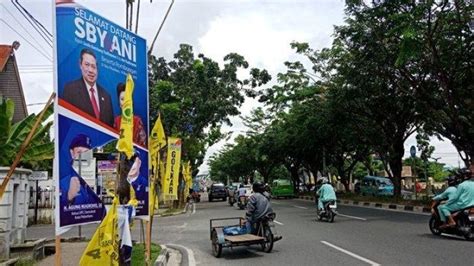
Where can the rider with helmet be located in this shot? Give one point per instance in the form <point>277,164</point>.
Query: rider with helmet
<point>258,205</point>
<point>326,193</point>
<point>463,198</point>
<point>447,194</point>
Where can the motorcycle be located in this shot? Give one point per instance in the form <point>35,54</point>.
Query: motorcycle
<point>231,199</point>
<point>464,222</point>
<point>242,202</point>
<point>329,211</point>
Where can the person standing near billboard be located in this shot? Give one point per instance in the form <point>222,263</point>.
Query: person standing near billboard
<point>86,94</point>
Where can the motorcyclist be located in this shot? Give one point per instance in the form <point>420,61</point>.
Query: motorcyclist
<point>242,190</point>
<point>463,198</point>
<point>326,193</point>
<point>447,195</point>
<point>258,206</point>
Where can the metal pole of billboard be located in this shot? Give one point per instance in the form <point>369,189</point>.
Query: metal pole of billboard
<point>79,229</point>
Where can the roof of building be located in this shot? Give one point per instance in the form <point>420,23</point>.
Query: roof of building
<point>10,82</point>
<point>5,52</point>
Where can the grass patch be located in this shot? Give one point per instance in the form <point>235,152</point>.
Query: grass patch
<point>25,262</point>
<point>139,255</point>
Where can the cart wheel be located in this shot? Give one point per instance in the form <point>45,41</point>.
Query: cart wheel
<point>267,246</point>
<point>216,247</point>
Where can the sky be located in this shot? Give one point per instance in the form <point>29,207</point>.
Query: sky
<point>259,30</point>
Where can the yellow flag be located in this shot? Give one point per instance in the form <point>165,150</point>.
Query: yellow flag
<point>170,184</point>
<point>103,247</point>
<point>188,178</point>
<point>156,141</point>
<point>125,142</point>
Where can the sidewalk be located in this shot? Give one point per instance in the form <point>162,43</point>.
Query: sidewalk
<point>71,253</point>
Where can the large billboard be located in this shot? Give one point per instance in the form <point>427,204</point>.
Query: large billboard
<point>93,57</point>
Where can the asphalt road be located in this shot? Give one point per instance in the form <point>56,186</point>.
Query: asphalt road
<point>359,236</point>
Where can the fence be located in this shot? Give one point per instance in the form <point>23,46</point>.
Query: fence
<point>45,199</point>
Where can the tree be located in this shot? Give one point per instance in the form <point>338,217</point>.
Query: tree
<point>195,96</point>
<point>39,152</point>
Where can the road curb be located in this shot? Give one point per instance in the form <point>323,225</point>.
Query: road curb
<point>164,256</point>
<point>378,205</point>
<point>187,255</point>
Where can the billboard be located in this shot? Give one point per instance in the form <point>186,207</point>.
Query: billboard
<point>93,56</point>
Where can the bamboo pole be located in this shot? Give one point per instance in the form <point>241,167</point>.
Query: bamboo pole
<point>57,255</point>
<point>24,145</point>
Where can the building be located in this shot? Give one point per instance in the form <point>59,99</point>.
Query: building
<point>10,82</point>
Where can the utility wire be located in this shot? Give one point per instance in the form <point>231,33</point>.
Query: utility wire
<point>161,26</point>
<point>37,22</point>
<point>36,48</point>
<point>45,38</point>
<point>23,27</point>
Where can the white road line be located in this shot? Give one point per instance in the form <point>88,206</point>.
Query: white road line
<point>353,217</point>
<point>277,222</point>
<point>351,254</point>
<point>276,203</point>
<point>300,207</point>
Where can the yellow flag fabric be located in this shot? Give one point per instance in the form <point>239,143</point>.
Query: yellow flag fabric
<point>187,178</point>
<point>103,249</point>
<point>171,180</point>
<point>156,142</point>
<point>125,142</point>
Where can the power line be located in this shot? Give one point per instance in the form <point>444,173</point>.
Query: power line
<point>46,39</point>
<point>39,51</point>
<point>37,22</point>
<point>23,27</point>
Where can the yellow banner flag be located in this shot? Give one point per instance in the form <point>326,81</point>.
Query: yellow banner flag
<point>125,142</point>
<point>103,247</point>
<point>187,178</point>
<point>156,142</point>
<point>171,180</point>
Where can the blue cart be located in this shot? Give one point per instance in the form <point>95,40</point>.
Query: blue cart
<point>262,235</point>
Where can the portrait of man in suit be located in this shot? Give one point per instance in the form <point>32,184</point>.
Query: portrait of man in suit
<point>86,94</point>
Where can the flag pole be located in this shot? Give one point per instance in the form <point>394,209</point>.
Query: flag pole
<point>57,255</point>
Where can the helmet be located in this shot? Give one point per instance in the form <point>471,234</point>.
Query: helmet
<point>464,174</point>
<point>452,180</point>
<point>258,187</point>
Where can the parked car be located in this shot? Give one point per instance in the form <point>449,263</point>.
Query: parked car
<point>376,186</point>
<point>217,191</point>
<point>282,188</point>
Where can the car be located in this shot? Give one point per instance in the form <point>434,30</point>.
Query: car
<point>282,188</point>
<point>217,191</point>
<point>376,186</point>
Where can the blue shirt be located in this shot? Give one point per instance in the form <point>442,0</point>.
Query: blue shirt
<point>326,193</point>
<point>464,196</point>
<point>447,194</point>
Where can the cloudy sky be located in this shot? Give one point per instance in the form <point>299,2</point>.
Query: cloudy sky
<point>259,30</point>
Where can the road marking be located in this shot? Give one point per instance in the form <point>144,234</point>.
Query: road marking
<point>300,207</point>
<point>351,254</point>
<point>277,203</point>
<point>353,217</point>
<point>277,222</point>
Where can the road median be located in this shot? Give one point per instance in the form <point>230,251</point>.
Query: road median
<point>378,205</point>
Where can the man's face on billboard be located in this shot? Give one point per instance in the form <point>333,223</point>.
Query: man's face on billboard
<point>88,67</point>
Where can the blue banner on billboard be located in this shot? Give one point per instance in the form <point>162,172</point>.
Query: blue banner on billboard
<point>93,57</point>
